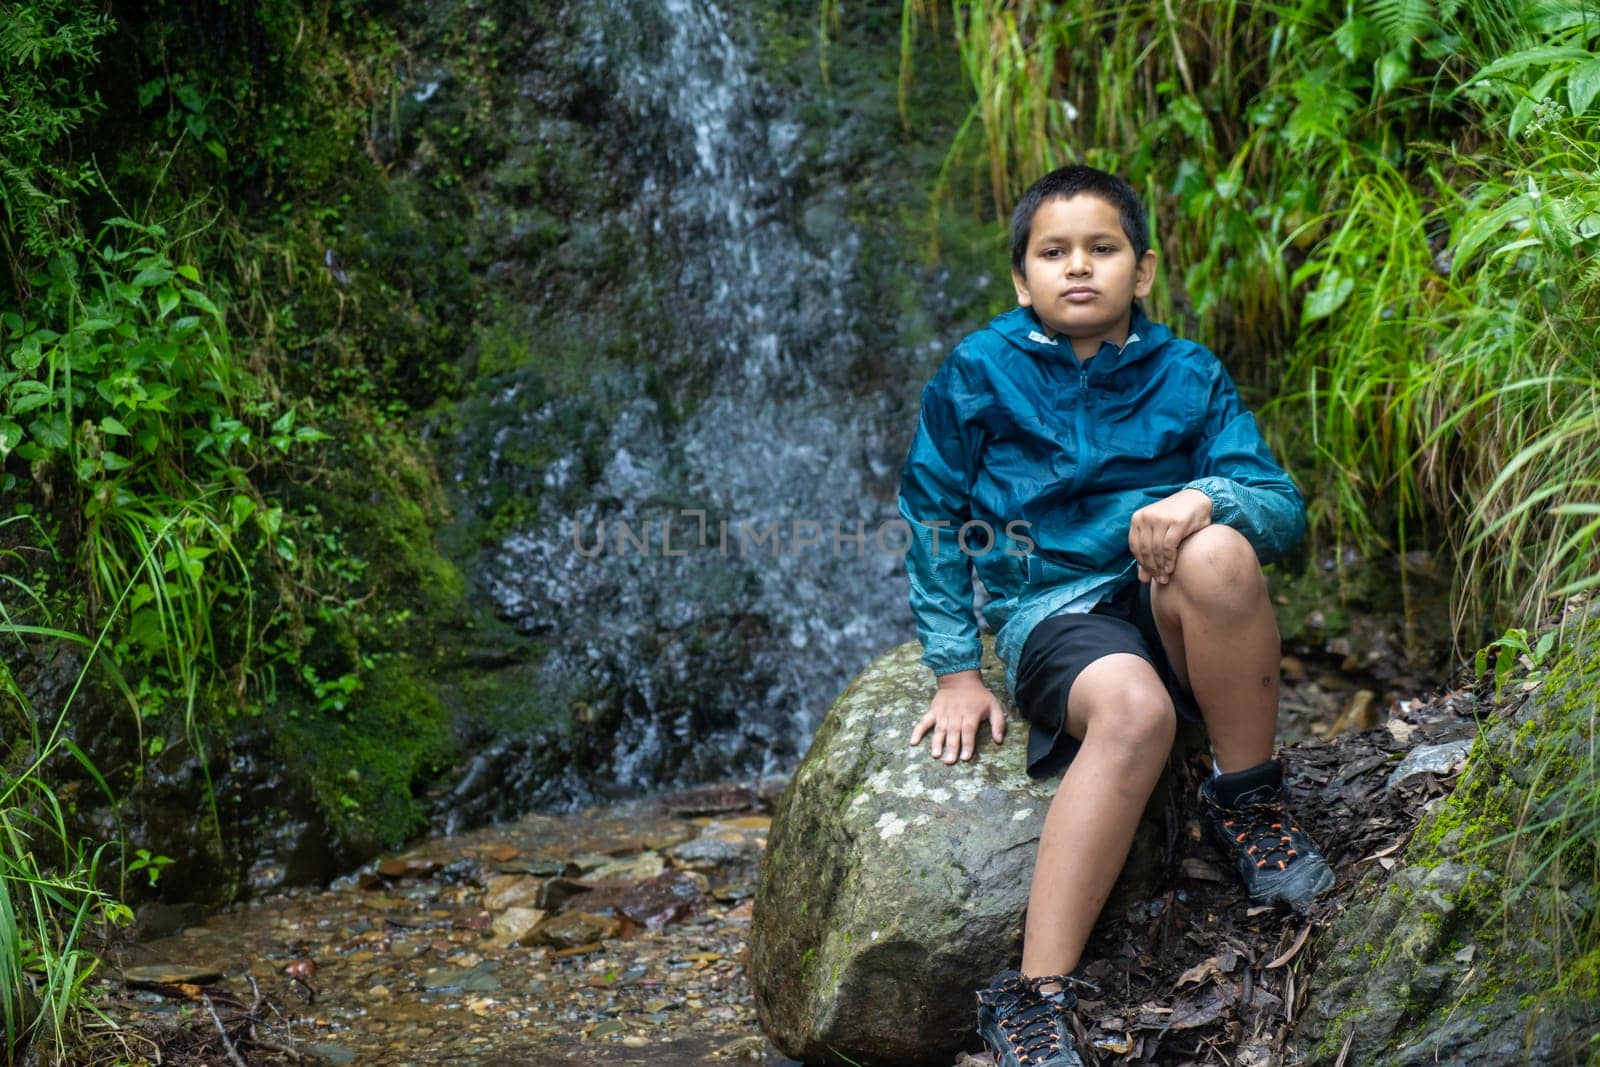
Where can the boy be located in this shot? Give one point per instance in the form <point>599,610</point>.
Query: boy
<point>1129,593</point>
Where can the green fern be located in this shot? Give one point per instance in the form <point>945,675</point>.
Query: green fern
<point>1403,21</point>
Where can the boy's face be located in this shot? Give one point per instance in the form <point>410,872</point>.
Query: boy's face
<point>1081,276</point>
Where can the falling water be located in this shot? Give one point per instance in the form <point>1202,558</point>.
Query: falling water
<point>725,639</point>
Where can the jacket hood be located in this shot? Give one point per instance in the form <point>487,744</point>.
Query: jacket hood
<point>1022,329</point>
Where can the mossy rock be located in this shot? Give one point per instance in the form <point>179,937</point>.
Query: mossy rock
<point>1482,947</point>
<point>893,885</point>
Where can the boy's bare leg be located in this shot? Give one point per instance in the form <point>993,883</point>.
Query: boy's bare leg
<point>1124,717</point>
<point>1221,636</point>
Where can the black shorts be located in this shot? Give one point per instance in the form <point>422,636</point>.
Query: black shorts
<point>1060,648</point>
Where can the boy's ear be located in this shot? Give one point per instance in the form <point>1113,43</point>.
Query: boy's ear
<point>1024,298</point>
<point>1145,276</point>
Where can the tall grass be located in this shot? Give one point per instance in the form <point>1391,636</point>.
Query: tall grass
<point>50,882</point>
<point>1384,215</point>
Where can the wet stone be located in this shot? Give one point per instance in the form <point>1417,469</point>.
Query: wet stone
<point>574,928</point>
<point>632,869</point>
<point>512,891</point>
<point>514,925</point>
<point>172,974</point>
<point>667,898</point>
<point>710,853</point>
<point>538,866</point>
<point>555,893</point>
<point>711,800</point>
<point>478,979</point>
<point>407,867</point>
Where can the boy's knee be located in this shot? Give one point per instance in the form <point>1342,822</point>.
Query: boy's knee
<point>1219,565</point>
<point>1140,727</point>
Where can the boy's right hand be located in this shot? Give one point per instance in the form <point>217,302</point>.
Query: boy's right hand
<point>958,709</point>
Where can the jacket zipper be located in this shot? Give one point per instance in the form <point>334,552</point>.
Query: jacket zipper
<point>1081,430</point>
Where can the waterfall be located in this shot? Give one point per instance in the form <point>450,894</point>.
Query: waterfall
<point>676,583</point>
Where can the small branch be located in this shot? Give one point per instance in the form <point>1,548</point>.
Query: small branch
<point>222,1031</point>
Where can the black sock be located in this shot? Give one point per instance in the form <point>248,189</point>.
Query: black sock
<point>1252,785</point>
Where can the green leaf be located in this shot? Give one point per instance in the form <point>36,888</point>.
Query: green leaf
<point>241,507</point>
<point>1393,69</point>
<point>1532,57</point>
<point>189,96</point>
<point>150,90</point>
<point>28,355</point>
<point>151,277</point>
<point>1329,295</point>
<point>50,431</point>
<point>1582,85</point>
<point>186,271</point>
<point>166,300</point>
<point>29,396</point>
<point>114,426</point>
<point>202,301</point>
<point>114,462</point>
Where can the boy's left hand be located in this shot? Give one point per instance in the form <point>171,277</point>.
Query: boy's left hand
<point>1157,530</point>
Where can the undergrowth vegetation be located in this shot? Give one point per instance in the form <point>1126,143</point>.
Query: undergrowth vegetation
<point>1385,213</point>
<point>170,367</point>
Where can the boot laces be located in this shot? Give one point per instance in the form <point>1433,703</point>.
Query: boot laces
<point>1028,1015</point>
<point>1265,832</point>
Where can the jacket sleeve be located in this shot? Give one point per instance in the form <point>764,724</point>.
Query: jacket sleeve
<point>934,502</point>
<point>1233,466</point>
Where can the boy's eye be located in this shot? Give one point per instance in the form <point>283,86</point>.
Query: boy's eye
<point>1104,248</point>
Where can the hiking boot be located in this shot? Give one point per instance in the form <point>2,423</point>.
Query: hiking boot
<point>1274,857</point>
<point>1025,1027</point>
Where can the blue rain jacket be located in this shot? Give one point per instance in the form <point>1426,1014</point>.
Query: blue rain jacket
<point>1019,440</point>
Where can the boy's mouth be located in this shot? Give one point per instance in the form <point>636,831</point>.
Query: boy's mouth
<point>1080,293</point>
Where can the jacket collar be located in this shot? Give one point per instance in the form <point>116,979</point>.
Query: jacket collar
<point>1022,328</point>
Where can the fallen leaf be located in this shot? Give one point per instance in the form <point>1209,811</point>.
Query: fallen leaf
<point>1382,852</point>
<point>1117,1045</point>
<point>1400,730</point>
<point>1289,953</point>
<point>1202,1008</point>
<point>1194,867</point>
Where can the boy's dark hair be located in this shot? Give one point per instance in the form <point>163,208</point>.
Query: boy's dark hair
<point>1072,181</point>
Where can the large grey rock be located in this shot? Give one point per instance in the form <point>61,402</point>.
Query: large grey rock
<point>894,885</point>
